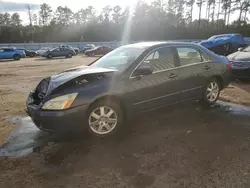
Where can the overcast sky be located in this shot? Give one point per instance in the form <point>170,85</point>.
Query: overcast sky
<point>20,6</point>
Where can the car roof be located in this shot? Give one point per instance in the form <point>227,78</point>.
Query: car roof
<point>11,48</point>
<point>146,45</point>
<point>227,35</point>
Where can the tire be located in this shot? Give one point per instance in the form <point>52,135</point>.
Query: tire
<point>16,57</point>
<point>101,126</point>
<point>49,56</point>
<point>69,55</point>
<point>211,92</point>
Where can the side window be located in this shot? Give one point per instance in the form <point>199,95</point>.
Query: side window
<point>57,50</point>
<point>204,56</point>
<point>8,50</point>
<point>160,59</point>
<point>188,55</point>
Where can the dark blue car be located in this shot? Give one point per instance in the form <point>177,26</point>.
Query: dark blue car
<point>224,44</point>
<point>11,53</point>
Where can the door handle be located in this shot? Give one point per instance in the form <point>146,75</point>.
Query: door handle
<point>207,67</point>
<point>172,75</point>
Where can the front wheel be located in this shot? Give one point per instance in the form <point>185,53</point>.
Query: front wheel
<point>16,57</point>
<point>49,56</point>
<point>104,118</point>
<point>211,92</point>
<point>69,55</point>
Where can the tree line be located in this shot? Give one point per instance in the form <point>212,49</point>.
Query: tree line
<point>157,20</point>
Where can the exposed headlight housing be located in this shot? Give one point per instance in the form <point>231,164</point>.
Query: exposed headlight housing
<point>238,64</point>
<point>60,103</point>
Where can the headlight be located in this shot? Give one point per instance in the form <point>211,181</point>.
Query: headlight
<point>60,103</point>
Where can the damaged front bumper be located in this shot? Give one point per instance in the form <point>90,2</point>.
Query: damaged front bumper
<point>56,120</point>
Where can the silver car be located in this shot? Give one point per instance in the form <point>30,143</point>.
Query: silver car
<point>59,52</point>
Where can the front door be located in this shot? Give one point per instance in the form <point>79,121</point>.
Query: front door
<point>158,89</point>
<point>195,68</point>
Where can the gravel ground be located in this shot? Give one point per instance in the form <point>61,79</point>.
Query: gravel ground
<point>182,146</point>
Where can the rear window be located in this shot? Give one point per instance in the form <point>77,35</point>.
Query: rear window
<point>188,55</point>
<point>8,50</point>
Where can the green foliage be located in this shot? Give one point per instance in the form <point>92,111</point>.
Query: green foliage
<point>159,20</point>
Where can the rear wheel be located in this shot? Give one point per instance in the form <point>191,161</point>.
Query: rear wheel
<point>16,57</point>
<point>211,92</point>
<point>104,118</point>
<point>49,56</point>
<point>69,55</point>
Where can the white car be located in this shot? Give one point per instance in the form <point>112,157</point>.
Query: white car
<point>42,50</point>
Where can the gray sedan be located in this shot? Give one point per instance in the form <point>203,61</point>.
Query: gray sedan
<point>59,52</point>
<point>240,63</point>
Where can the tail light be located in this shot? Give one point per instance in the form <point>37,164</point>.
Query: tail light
<point>229,65</point>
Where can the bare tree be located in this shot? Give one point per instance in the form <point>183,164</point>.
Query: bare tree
<point>199,4</point>
<point>241,5</point>
<point>189,14</point>
<point>35,19</point>
<point>45,13</point>
<point>29,15</point>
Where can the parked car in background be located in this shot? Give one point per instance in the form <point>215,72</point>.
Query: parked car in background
<point>99,50</point>
<point>59,52</point>
<point>43,50</point>
<point>133,78</point>
<point>88,47</point>
<point>68,46</point>
<point>11,53</point>
<point>84,49</point>
<point>240,61</point>
<point>28,53</point>
<point>224,44</point>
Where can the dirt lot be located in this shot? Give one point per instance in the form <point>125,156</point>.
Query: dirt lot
<point>185,146</point>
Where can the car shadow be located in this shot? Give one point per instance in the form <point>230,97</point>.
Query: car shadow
<point>46,59</point>
<point>6,60</point>
<point>180,119</point>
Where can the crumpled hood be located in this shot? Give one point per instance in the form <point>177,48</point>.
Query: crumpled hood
<point>239,56</point>
<point>63,77</point>
<point>90,50</point>
<point>214,42</point>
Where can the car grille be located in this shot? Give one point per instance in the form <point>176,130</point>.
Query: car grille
<point>41,91</point>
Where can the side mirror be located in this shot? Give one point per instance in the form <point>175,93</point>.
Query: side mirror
<point>240,49</point>
<point>142,71</point>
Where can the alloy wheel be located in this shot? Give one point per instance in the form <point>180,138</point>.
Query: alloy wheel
<point>103,120</point>
<point>212,91</point>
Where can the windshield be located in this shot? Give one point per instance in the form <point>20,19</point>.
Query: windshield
<point>119,59</point>
<point>45,48</point>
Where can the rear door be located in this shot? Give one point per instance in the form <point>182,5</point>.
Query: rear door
<point>1,53</point>
<point>158,89</point>
<point>195,69</point>
<point>64,51</point>
<point>57,52</point>
<point>8,53</point>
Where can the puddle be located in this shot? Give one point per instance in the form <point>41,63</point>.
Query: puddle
<point>234,109</point>
<point>26,138</point>
<point>23,139</point>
